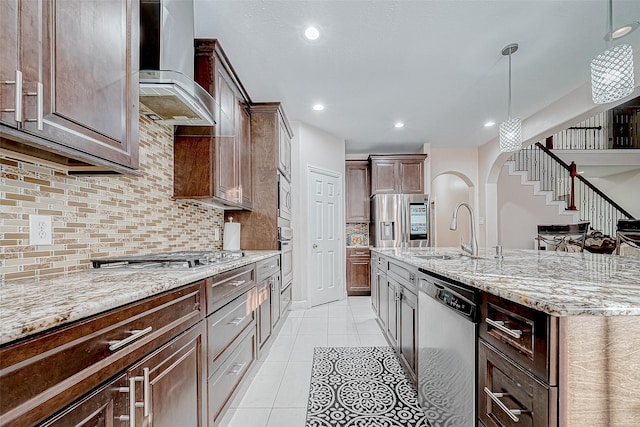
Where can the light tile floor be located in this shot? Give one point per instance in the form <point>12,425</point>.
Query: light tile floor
<point>277,395</point>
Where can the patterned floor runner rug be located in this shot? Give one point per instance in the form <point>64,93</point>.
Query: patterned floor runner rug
<point>361,387</point>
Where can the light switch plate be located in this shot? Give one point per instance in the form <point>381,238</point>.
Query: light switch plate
<point>216,234</point>
<point>40,230</point>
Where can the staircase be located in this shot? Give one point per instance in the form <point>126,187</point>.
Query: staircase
<point>574,195</point>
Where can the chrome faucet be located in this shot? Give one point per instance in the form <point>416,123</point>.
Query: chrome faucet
<point>473,249</point>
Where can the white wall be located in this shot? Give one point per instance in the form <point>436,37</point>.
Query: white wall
<point>447,190</point>
<point>623,188</point>
<point>315,147</point>
<point>520,212</point>
<point>453,178</point>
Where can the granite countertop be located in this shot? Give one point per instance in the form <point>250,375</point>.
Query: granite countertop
<point>29,306</point>
<point>557,283</point>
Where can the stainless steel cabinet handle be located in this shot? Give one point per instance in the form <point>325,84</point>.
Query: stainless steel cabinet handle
<point>132,400</point>
<point>238,283</point>
<point>39,106</point>
<point>510,412</point>
<point>288,200</point>
<point>499,324</point>
<point>135,334</point>
<point>237,320</point>
<point>237,369</point>
<point>123,417</point>
<point>18,96</point>
<point>146,391</point>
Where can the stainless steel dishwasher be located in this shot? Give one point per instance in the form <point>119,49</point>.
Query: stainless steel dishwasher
<point>447,348</point>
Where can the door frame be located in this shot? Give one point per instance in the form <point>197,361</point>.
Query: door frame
<point>339,232</point>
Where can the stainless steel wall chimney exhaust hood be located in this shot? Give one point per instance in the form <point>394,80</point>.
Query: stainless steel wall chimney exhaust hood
<point>167,87</point>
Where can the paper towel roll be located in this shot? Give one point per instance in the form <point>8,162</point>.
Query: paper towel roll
<point>231,237</point>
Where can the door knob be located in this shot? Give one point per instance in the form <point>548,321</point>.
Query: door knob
<point>315,246</point>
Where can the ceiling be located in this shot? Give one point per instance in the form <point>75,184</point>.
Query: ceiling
<point>436,65</point>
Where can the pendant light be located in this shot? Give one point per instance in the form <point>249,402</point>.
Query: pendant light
<point>612,70</point>
<point>511,129</point>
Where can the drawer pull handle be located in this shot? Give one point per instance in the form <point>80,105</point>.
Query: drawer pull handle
<point>237,320</point>
<point>499,324</point>
<point>510,412</point>
<point>132,401</point>
<point>237,368</point>
<point>238,283</point>
<point>114,345</point>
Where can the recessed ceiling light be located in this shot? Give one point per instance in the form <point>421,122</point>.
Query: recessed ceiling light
<point>398,125</point>
<point>622,31</point>
<point>489,124</point>
<point>311,33</point>
<point>318,107</point>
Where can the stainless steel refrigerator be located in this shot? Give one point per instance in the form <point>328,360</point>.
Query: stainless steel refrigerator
<point>399,220</point>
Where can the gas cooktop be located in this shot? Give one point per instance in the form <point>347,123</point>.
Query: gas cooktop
<point>183,259</point>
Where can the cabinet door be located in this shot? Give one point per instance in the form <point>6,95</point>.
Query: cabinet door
<point>170,383</point>
<point>106,407</point>
<point>275,299</point>
<point>226,163</point>
<point>79,64</point>
<point>383,299</point>
<point>358,273</point>
<point>284,149</point>
<point>408,329</point>
<point>244,156</point>
<point>264,316</point>
<point>357,197</point>
<point>392,325</point>
<point>374,286</point>
<point>9,66</point>
<point>411,176</point>
<point>383,176</point>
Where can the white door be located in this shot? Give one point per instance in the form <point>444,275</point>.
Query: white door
<point>325,231</point>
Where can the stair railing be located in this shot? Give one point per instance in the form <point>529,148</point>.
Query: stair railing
<point>559,178</point>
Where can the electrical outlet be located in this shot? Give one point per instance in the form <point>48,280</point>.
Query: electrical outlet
<point>216,234</point>
<point>40,230</point>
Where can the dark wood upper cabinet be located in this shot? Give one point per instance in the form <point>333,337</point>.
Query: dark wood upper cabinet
<point>269,127</point>
<point>69,73</point>
<point>399,173</point>
<point>216,162</point>
<point>357,194</point>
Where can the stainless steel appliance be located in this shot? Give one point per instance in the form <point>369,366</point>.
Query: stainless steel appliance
<point>400,220</point>
<point>182,259</point>
<point>447,347</point>
<point>285,238</point>
<point>284,198</point>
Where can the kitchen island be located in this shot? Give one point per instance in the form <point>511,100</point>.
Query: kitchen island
<point>590,338</point>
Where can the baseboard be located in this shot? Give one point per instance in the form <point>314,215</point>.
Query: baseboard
<point>298,305</point>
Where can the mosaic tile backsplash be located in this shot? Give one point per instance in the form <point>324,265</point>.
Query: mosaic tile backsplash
<point>358,228</point>
<point>99,216</point>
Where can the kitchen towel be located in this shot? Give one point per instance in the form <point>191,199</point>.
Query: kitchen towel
<point>231,237</point>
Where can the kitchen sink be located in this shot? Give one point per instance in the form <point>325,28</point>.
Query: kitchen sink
<point>436,256</point>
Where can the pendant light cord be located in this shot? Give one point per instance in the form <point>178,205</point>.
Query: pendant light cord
<point>509,111</point>
<point>610,29</point>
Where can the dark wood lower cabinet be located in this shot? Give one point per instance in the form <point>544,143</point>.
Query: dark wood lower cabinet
<point>170,383</point>
<point>358,271</point>
<point>509,396</point>
<point>105,407</point>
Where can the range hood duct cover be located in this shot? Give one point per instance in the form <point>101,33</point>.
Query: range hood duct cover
<point>167,86</point>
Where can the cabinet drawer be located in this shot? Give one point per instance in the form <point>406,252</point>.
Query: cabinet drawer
<point>43,374</point>
<point>405,274</point>
<point>226,324</point>
<point>510,396</point>
<point>225,380</point>
<point>527,336</point>
<point>267,267</point>
<point>358,253</point>
<point>224,287</point>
